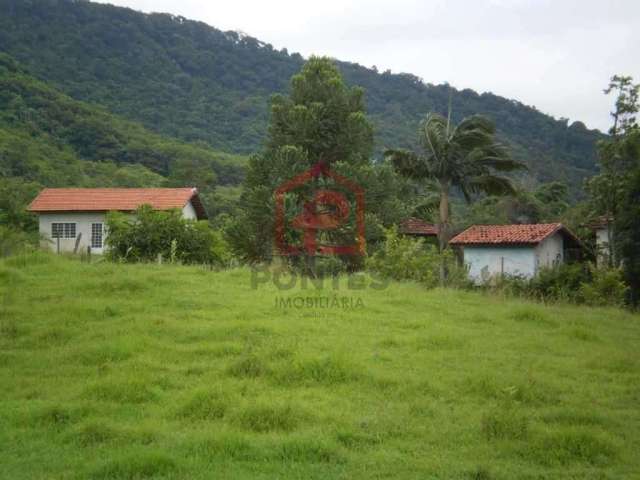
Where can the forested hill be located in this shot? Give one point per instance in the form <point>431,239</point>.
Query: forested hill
<point>49,139</point>
<point>186,79</point>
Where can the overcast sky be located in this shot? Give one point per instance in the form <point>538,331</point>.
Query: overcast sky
<point>555,55</point>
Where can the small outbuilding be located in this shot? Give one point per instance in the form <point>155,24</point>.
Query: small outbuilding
<point>415,227</point>
<point>515,250</point>
<point>603,230</point>
<point>72,219</point>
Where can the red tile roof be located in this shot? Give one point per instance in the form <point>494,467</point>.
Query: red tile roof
<point>415,226</point>
<point>509,234</point>
<point>121,199</point>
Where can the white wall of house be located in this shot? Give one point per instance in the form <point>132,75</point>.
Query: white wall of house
<point>189,212</point>
<point>485,262</point>
<point>550,251</point>
<point>83,222</point>
<point>602,245</point>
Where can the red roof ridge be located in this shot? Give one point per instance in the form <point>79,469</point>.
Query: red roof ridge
<point>416,226</point>
<point>532,233</point>
<point>117,198</point>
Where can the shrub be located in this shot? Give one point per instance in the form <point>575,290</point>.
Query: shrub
<point>15,241</point>
<point>576,283</point>
<point>559,283</point>
<point>152,233</point>
<point>607,287</point>
<point>406,258</point>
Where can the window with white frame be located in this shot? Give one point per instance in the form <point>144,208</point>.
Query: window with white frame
<point>96,235</point>
<point>63,230</point>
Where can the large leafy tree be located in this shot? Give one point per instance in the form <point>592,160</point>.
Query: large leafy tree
<point>618,156</point>
<point>322,120</point>
<point>465,157</point>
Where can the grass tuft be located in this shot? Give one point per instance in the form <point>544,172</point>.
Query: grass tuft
<point>574,445</point>
<point>93,433</point>
<point>205,405</point>
<point>354,440</point>
<point>9,329</point>
<point>309,450</point>
<point>249,366</point>
<point>504,424</point>
<point>128,391</point>
<point>479,473</point>
<point>54,416</point>
<point>228,445</point>
<point>534,316</point>
<point>320,371</point>
<point>577,417</point>
<point>264,418</point>
<point>136,466</point>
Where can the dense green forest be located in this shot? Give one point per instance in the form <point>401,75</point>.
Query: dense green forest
<point>49,139</point>
<point>188,80</point>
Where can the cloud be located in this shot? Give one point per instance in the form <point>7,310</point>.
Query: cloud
<point>557,56</point>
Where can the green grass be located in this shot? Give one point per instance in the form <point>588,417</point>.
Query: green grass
<point>143,371</point>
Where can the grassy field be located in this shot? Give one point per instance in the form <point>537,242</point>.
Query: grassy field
<point>144,371</point>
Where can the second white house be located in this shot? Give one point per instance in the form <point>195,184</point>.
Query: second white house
<point>514,250</point>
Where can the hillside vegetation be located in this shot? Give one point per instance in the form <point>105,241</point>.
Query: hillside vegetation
<point>189,80</point>
<point>49,139</point>
<point>142,371</point>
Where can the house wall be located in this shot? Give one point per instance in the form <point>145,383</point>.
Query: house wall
<point>189,212</point>
<point>602,246</point>
<point>485,262</point>
<point>83,223</point>
<point>550,251</point>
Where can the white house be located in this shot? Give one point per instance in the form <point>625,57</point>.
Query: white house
<point>514,250</point>
<point>603,229</point>
<point>73,219</point>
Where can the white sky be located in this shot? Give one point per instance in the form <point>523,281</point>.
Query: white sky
<point>555,55</point>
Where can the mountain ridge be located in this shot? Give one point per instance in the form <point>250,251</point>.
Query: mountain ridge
<point>186,79</point>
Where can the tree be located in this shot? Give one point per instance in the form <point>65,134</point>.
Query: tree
<point>465,157</point>
<point>627,225</point>
<point>617,157</point>
<point>320,121</point>
<point>626,105</point>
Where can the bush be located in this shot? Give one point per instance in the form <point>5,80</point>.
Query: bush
<point>14,241</point>
<point>576,283</point>
<point>152,233</point>
<point>561,283</point>
<point>406,258</point>
<point>607,287</point>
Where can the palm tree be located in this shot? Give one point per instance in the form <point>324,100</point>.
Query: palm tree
<point>465,157</point>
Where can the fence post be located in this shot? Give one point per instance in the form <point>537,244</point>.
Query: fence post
<point>75,247</point>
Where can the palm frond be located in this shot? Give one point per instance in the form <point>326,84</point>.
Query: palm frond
<point>497,161</point>
<point>490,184</point>
<point>408,164</point>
